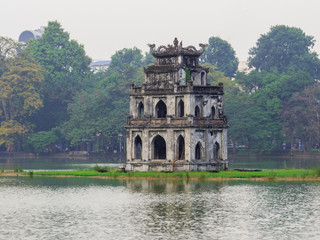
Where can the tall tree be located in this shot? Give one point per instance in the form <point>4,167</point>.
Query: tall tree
<point>285,49</point>
<point>107,99</point>
<point>301,117</point>
<point>20,93</point>
<point>8,49</point>
<point>221,54</point>
<point>66,65</point>
<point>266,93</point>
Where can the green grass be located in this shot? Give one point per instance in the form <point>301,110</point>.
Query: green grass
<point>270,174</point>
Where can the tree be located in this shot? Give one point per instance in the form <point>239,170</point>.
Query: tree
<point>8,49</point>
<point>20,93</point>
<point>67,67</point>
<point>235,106</point>
<point>301,117</point>
<point>45,139</point>
<point>286,49</point>
<point>266,94</point>
<point>221,54</point>
<point>107,99</point>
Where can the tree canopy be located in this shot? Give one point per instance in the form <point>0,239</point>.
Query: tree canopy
<point>285,49</point>
<point>20,92</point>
<point>67,67</point>
<point>103,109</point>
<point>301,117</point>
<point>221,54</point>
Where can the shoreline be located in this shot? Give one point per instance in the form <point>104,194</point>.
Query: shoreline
<point>230,175</point>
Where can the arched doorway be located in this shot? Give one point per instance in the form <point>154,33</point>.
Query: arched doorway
<point>213,111</point>
<point>158,148</point>
<point>197,111</point>
<point>180,108</point>
<point>161,109</point>
<point>180,148</point>
<point>198,151</point>
<point>216,148</point>
<point>140,110</point>
<point>202,78</point>
<point>137,147</point>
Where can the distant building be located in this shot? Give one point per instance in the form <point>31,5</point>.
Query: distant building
<point>244,67</point>
<point>99,66</point>
<point>29,35</point>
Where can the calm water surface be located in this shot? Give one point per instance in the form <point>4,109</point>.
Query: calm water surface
<point>81,208</point>
<point>47,163</point>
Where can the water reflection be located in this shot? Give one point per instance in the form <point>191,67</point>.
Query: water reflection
<point>274,162</point>
<point>84,208</point>
<point>48,163</point>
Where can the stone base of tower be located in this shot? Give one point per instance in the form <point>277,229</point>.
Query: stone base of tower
<point>181,166</point>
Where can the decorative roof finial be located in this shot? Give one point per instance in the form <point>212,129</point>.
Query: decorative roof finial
<point>175,42</point>
<point>151,46</point>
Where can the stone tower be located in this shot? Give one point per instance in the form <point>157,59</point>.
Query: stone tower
<point>176,120</point>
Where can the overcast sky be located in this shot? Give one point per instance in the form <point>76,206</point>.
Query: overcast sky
<point>105,26</point>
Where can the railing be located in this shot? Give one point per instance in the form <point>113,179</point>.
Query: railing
<point>208,89</point>
<point>138,121</point>
<point>135,90</point>
<point>179,120</point>
<point>174,121</point>
<point>158,121</point>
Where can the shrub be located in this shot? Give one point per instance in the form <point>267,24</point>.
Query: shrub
<point>98,168</point>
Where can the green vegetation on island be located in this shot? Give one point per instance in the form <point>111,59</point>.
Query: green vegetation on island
<point>286,174</point>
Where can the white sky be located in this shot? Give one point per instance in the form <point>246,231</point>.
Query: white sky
<point>105,26</point>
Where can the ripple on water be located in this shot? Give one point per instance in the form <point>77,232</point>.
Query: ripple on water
<point>79,208</point>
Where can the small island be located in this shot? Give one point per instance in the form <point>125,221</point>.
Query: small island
<point>224,175</point>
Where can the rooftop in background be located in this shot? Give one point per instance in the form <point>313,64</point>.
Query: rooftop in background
<point>244,67</point>
<point>99,66</point>
<point>28,35</point>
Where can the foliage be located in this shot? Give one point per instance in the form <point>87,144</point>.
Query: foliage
<point>42,140</point>
<point>230,174</point>
<point>221,54</point>
<point>8,49</point>
<point>67,67</point>
<point>301,117</point>
<point>103,108</point>
<point>260,110</point>
<point>148,59</point>
<point>20,91</point>
<point>188,74</point>
<point>101,169</point>
<point>286,49</point>
<point>10,131</point>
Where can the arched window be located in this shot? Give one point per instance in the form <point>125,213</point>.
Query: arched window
<point>180,108</point>
<point>137,147</point>
<point>197,111</point>
<point>182,76</point>
<point>180,148</point>
<point>161,109</point>
<point>202,78</point>
<point>213,111</point>
<point>158,148</point>
<point>216,151</point>
<point>198,151</point>
<point>140,110</point>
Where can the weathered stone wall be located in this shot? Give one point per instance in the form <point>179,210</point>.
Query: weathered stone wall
<point>167,81</point>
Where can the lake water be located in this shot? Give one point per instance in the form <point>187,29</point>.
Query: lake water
<point>87,208</point>
<point>84,208</point>
<point>45,163</point>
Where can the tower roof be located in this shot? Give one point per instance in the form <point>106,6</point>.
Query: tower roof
<point>175,50</point>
